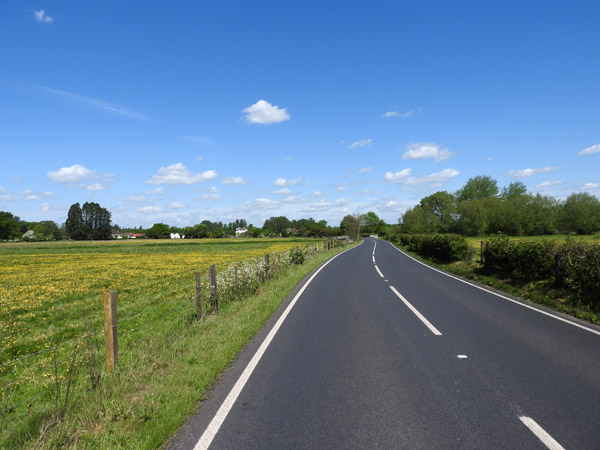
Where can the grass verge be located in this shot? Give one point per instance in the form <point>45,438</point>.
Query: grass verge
<point>163,378</point>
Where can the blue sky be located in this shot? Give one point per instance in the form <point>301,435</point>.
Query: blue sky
<point>178,112</point>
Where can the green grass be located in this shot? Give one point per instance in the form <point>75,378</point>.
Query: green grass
<point>164,370</point>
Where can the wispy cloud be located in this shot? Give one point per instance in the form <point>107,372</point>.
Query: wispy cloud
<point>237,181</point>
<point>547,184</point>
<point>177,174</point>
<point>361,143</point>
<point>96,103</point>
<point>426,150</point>
<point>200,141</point>
<point>589,186</point>
<point>41,16</point>
<point>590,150</point>
<point>529,172</point>
<point>403,177</point>
<point>262,112</point>
<point>365,170</point>
<point>285,182</point>
<point>399,115</point>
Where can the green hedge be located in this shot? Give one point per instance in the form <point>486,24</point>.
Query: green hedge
<point>444,247</point>
<point>571,265</point>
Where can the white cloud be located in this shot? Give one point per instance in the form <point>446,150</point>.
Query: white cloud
<point>361,143</point>
<point>546,184</point>
<point>317,194</point>
<point>96,103</point>
<point>319,206</point>
<point>212,196</point>
<point>73,174</point>
<point>294,199</point>
<point>399,115</point>
<point>260,204</point>
<point>403,177</point>
<point>45,207</point>
<point>177,174</point>
<point>429,150</point>
<point>341,187</point>
<point>41,16</point>
<point>529,172</point>
<point>150,209</point>
<point>590,150</point>
<point>397,177</point>
<point>262,112</point>
<point>282,191</point>
<point>365,170</point>
<point>158,191</point>
<point>437,177</point>
<point>367,192</point>
<point>237,181</point>
<point>285,182</point>
<point>95,187</point>
<point>177,205</point>
<point>589,186</point>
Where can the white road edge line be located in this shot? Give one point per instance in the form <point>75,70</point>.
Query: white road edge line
<point>540,433</point>
<point>215,424</point>
<point>428,324</point>
<point>379,271</point>
<point>575,324</point>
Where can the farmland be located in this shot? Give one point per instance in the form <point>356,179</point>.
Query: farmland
<point>51,297</point>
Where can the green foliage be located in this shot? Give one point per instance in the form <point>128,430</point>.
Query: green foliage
<point>159,231</point>
<point>350,226</point>
<point>297,256</point>
<point>88,222</point>
<point>581,214</point>
<point>443,247</point>
<point>578,268</point>
<point>9,225</point>
<point>481,186</point>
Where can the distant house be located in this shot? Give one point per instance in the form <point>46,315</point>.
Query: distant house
<point>175,236</point>
<point>241,231</point>
<point>137,235</point>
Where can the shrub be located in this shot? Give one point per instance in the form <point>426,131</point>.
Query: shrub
<point>445,247</point>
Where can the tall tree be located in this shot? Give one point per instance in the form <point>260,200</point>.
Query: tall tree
<point>443,206</point>
<point>581,214</point>
<point>513,190</point>
<point>96,221</point>
<point>74,224</point>
<point>277,225</point>
<point>9,225</point>
<point>481,186</point>
<point>351,227</point>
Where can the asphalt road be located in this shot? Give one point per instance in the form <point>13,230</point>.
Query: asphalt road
<point>380,351</point>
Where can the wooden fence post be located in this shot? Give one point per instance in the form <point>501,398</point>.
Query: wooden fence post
<point>482,258</point>
<point>267,266</point>
<point>214,301</point>
<point>110,329</point>
<point>471,253</point>
<point>198,296</point>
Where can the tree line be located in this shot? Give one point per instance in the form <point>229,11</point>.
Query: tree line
<point>481,208</point>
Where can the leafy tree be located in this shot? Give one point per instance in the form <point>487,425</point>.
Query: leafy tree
<point>96,221</point>
<point>350,226</point>
<point>581,214</point>
<point>277,225</point>
<point>443,206</point>
<point>419,220</point>
<point>514,190</point>
<point>481,186</point>
<point>74,224</point>
<point>159,231</point>
<point>9,225</point>
<point>371,223</point>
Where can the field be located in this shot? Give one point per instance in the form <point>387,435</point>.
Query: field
<point>51,305</point>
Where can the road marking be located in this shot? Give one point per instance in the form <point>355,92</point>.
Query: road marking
<point>428,324</point>
<point>462,356</point>
<point>215,424</point>
<point>373,259</point>
<point>379,271</point>
<point>541,433</point>
<point>575,324</point>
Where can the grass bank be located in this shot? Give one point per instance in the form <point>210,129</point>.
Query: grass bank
<point>160,379</point>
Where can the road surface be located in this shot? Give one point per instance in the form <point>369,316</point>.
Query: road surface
<point>380,351</point>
